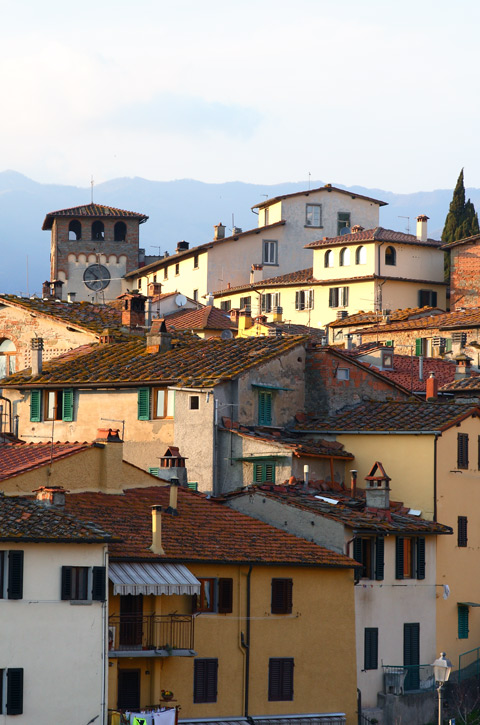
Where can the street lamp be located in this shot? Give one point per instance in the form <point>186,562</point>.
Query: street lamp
<point>441,671</point>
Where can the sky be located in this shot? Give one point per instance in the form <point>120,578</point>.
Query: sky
<point>376,93</point>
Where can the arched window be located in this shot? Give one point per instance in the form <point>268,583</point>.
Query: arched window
<point>329,258</point>
<point>120,232</point>
<point>7,358</point>
<point>97,231</point>
<point>390,256</point>
<point>345,257</point>
<point>361,255</point>
<point>74,230</point>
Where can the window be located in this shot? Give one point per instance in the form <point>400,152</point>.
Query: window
<point>98,231</point>
<point>280,678</point>
<point>328,259</point>
<point>409,557</point>
<point>369,552</point>
<point>7,358</point>
<point>304,300</point>
<point>177,269</point>
<point>462,538</point>
<point>226,305</point>
<point>83,583</point>
<point>205,674</point>
<point>57,405</point>
<point>195,261</point>
<point>338,297</point>
<point>216,595</point>
<point>163,403</point>
<point>264,472</point>
<point>462,621</point>
<point>370,661</point>
<point>345,257</point>
<point>313,215</point>
<point>427,298</point>
<point>206,598</point>
<point>245,302</point>
<point>269,301</point>
<point>390,256</point>
<point>264,408</point>
<point>421,345</point>
<point>462,450</point>
<point>361,255</point>
<point>282,596</point>
<point>11,684</point>
<point>269,252</point>
<point>74,231</point>
<point>11,574</point>
<point>165,272</point>
<point>194,401</point>
<point>120,232</point>
<point>343,221</point>
<point>342,374</point>
<point>195,295</point>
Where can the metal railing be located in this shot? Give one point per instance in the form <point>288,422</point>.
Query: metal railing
<point>134,632</point>
<point>469,664</point>
<point>399,679</point>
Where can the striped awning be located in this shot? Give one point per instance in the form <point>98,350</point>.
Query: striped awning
<point>152,579</point>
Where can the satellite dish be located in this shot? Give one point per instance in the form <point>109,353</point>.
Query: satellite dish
<point>226,335</point>
<point>345,230</point>
<point>180,300</point>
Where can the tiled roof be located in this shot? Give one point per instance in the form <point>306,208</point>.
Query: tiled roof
<point>327,188</point>
<point>191,362</point>
<point>83,315</point>
<point>204,530</point>
<point>92,210</point>
<point>22,519</point>
<point>205,318</point>
<point>302,276</point>
<point>406,371</point>
<point>379,234</point>
<point>466,240</point>
<point>363,318</point>
<point>460,319</point>
<point>17,458</point>
<point>392,416</point>
<point>292,328</point>
<point>457,386</point>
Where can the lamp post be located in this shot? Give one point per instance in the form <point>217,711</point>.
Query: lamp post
<point>441,671</point>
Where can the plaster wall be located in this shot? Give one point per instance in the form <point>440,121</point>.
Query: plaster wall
<point>59,645</point>
<point>76,266</point>
<point>337,271</point>
<point>189,278</point>
<point>194,435</point>
<point>464,274</point>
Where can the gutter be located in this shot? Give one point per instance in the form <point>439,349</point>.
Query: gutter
<point>247,642</point>
<point>373,432</point>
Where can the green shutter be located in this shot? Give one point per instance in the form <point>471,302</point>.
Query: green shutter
<point>388,343</point>
<point>264,408</point>
<point>35,406</point>
<point>155,471</point>
<point>193,485</point>
<point>67,405</point>
<point>144,404</point>
<point>269,473</point>
<point>264,472</point>
<point>462,621</point>
<point>418,346</point>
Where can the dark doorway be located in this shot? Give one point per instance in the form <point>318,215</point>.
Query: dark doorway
<point>128,690</point>
<point>131,621</point>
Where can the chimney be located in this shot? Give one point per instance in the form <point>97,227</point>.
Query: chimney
<point>172,504</point>
<point>377,492</point>
<point>349,342</point>
<point>353,483</point>
<point>209,300</point>
<point>156,546</point>
<point>219,231</point>
<point>432,387</point>
<point>256,273</point>
<point>306,471</point>
<point>357,228</point>
<point>277,314</point>
<point>133,313</point>
<point>172,466</point>
<point>422,227</point>
<point>182,246</point>
<point>51,496</point>
<point>36,343</point>
<point>154,288</point>
<point>158,339</point>
<point>463,369</point>
<point>106,337</point>
<point>108,435</point>
<point>244,320</point>
<point>71,296</point>
<point>46,292</point>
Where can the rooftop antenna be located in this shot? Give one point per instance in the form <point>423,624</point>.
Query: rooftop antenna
<point>408,222</point>
<point>156,246</point>
<point>265,195</point>
<point>309,178</point>
<point>92,183</point>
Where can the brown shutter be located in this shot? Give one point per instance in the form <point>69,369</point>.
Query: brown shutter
<point>282,599</point>
<point>225,596</point>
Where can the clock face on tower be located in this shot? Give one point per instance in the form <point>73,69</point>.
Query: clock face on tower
<point>96,277</point>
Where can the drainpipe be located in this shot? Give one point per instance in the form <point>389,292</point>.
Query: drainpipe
<point>104,705</point>
<point>378,272</point>
<point>247,643</point>
<point>435,477</point>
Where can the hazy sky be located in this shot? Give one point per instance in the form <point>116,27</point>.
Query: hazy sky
<point>371,92</point>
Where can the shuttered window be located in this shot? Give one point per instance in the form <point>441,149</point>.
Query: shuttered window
<point>420,552</point>
<point>462,523</point>
<point>15,575</point>
<point>379,558</point>
<point>264,408</point>
<point>143,404</point>
<point>371,649</point>
<point>419,346</point>
<point>78,584</point>
<point>264,472</point>
<point>280,678</point>
<point>282,591</point>
<point>411,654</point>
<point>225,595</point>
<point>205,674</point>
<point>99,583</point>
<point>462,450</point>
<point>15,691</point>
<point>35,406</point>
<point>67,405</point>
<point>462,621</point>
<point>404,558</point>
<point>304,300</point>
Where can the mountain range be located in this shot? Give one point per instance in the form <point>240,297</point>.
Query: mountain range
<point>177,210</point>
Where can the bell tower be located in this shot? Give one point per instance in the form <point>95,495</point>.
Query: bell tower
<point>92,248</point>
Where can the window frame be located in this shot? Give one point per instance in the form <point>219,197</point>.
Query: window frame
<point>226,305</point>
<point>168,400</point>
<point>360,252</point>
<point>58,406</point>
<point>177,269</point>
<point>221,596</point>
<point>329,259</point>
<point>304,299</point>
<point>411,566</point>
<point>281,601</point>
<point>369,551</point>
<point>269,300</point>
<point>463,613</point>
<point>345,257</point>
<point>429,298</point>
<point>93,588</point>
<point>270,252</point>
<point>345,223</point>
<point>313,210</point>
<point>390,256</point>
<point>194,402</point>
<point>338,297</point>
<point>195,261</point>
<point>245,302</point>
<point>264,472</point>
<point>265,407</point>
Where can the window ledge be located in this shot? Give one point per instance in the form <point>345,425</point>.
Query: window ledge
<point>312,226</point>
<point>81,602</point>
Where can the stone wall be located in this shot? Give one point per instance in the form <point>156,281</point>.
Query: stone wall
<point>464,276</point>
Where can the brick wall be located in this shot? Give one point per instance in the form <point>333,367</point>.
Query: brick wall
<point>465,276</point>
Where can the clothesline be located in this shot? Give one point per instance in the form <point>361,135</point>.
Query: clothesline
<point>147,716</point>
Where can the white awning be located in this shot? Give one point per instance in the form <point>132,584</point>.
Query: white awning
<point>152,579</point>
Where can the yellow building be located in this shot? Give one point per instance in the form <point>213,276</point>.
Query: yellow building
<point>233,616</point>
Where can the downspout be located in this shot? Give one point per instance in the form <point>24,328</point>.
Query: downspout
<point>247,643</point>
<point>435,478</point>
<point>378,271</point>
<point>105,640</point>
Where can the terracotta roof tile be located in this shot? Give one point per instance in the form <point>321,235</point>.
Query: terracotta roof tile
<point>459,319</point>
<point>362,318</point>
<point>406,371</point>
<point>456,386</point>
<point>299,447</point>
<point>302,276</point>
<point>205,318</point>
<point>92,210</point>
<point>17,458</point>
<point>378,234</point>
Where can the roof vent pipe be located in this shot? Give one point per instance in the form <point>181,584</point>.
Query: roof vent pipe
<point>156,546</point>
<point>353,483</point>
<point>306,471</point>
<point>420,367</point>
<point>36,344</point>
<point>172,505</point>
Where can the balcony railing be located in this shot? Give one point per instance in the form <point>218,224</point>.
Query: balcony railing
<point>399,679</point>
<point>134,632</point>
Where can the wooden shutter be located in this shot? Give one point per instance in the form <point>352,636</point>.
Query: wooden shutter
<point>99,584</point>
<point>462,621</point>
<point>154,471</point>
<point>462,524</point>
<point>420,542</point>
<point>66,582</point>
<point>264,408</point>
<point>379,558</point>
<point>225,596</point>
<point>14,691</point>
<point>462,450</point>
<point>282,599</point>
<point>35,406</point>
<point>333,297</point>
<point>205,675</point>
<point>67,405</point>
<point>15,575</point>
<point>269,472</point>
<point>399,557</point>
<point>143,404</point>
<point>345,296</point>
<point>411,654</point>
<point>358,556</point>
<point>297,301</point>
<point>371,648</point>
<point>280,678</point>
<point>418,346</point>
<point>310,299</point>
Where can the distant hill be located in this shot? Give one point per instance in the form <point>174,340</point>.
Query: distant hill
<point>183,209</point>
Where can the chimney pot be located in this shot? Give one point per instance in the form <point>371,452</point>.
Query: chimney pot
<point>422,220</point>
<point>51,496</point>
<point>353,483</point>
<point>36,344</point>
<point>172,505</point>
<point>432,387</point>
<point>156,546</point>
<point>219,231</point>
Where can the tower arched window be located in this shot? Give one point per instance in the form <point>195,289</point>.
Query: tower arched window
<point>361,255</point>
<point>7,357</point>
<point>98,231</point>
<point>390,256</point>
<point>329,258</point>
<point>345,257</point>
<point>120,232</point>
<point>74,230</point>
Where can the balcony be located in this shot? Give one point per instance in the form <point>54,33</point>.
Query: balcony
<point>151,635</point>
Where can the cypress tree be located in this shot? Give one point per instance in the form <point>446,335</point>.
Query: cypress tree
<point>462,219</point>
